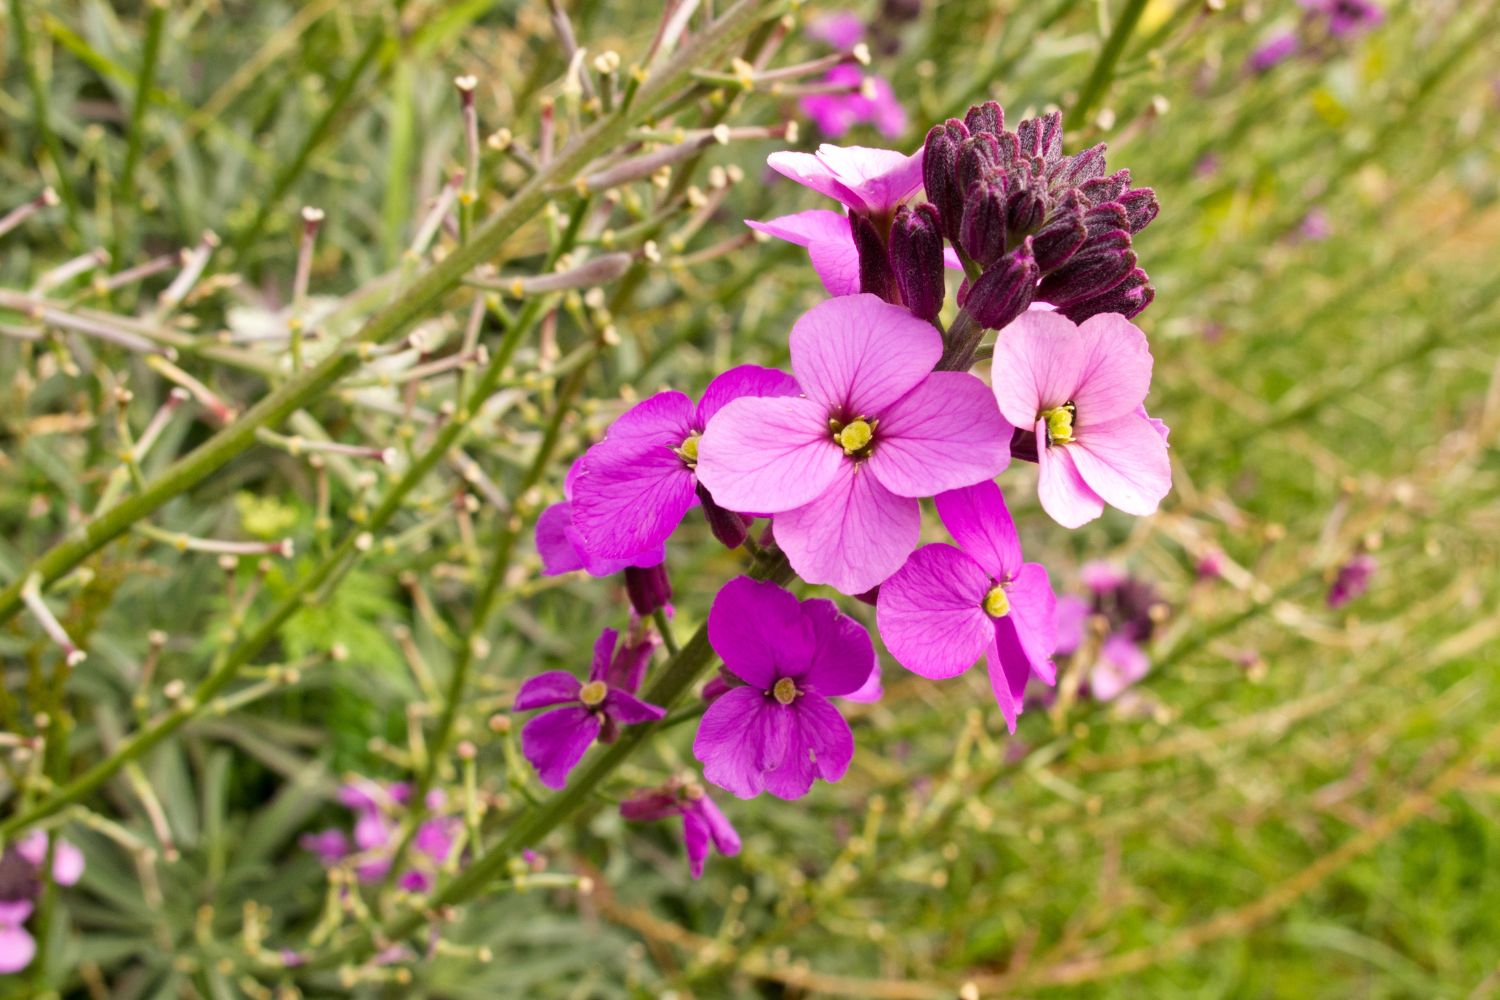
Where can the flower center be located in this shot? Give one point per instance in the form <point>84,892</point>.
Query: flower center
<point>785,691</point>
<point>855,436</point>
<point>1060,423</point>
<point>688,450</point>
<point>996,603</point>
<point>592,694</point>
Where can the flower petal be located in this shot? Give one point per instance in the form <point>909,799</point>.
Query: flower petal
<point>1125,463</point>
<point>852,537</point>
<point>552,544</point>
<point>979,521</point>
<point>809,171</point>
<point>726,839</point>
<point>556,741</point>
<point>17,948</point>
<point>741,736</point>
<point>626,708</point>
<point>930,612</point>
<point>650,805</point>
<point>1033,611</point>
<point>695,838</point>
<point>555,687</point>
<point>768,455</point>
<point>870,691</point>
<point>880,179</point>
<point>819,745</point>
<point>829,242</point>
<point>746,380</point>
<point>1071,617</point>
<point>604,651</point>
<point>945,434</point>
<point>1065,497</point>
<point>664,418</point>
<point>843,657</point>
<point>629,495</point>
<point>1116,371</point>
<point>1009,671</point>
<point>1121,663</point>
<point>757,628</point>
<point>1038,362</point>
<point>858,354</point>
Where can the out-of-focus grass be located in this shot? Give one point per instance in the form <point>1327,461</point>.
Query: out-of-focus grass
<point>1324,823</point>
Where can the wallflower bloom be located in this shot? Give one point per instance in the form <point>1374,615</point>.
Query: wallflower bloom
<point>702,822</point>
<point>1120,665</point>
<point>17,946</point>
<point>1081,389</point>
<point>21,884</point>
<point>842,466</point>
<point>67,859</point>
<point>778,731</point>
<point>949,606</point>
<point>874,103</point>
<point>556,741</point>
<point>634,486</point>
<point>376,809</point>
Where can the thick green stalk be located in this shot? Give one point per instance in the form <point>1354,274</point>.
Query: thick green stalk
<point>1104,66</point>
<point>395,320</point>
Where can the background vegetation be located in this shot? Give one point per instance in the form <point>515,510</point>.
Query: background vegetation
<point>1297,802</point>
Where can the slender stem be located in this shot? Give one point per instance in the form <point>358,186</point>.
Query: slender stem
<point>961,342</point>
<point>664,627</point>
<point>486,244</point>
<point>40,109</point>
<point>155,20</point>
<point>1104,66</point>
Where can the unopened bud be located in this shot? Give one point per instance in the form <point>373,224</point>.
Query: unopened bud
<point>649,588</point>
<point>875,274</point>
<point>1005,290</point>
<point>916,259</point>
<point>940,172</point>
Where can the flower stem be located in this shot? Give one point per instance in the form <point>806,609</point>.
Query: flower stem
<point>1104,66</point>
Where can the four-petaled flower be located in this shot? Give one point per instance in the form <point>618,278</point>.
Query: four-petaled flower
<point>778,731</point>
<point>556,741</point>
<point>702,822</point>
<point>949,606</point>
<point>843,466</point>
<point>1080,388</point>
<point>562,549</point>
<point>634,486</point>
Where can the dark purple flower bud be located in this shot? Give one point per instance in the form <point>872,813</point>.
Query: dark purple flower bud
<point>1101,264</point>
<point>20,880</point>
<point>1061,236</point>
<point>1102,189</point>
<point>648,587</point>
<point>1041,137</point>
<point>1140,207</point>
<point>1128,298</point>
<point>982,232</point>
<point>1025,209</point>
<point>1075,170</point>
<point>728,527</point>
<point>917,259</point>
<point>1104,219</point>
<point>987,117</point>
<point>874,267</point>
<point>940,172</point>
<point>978,159</point>
<point>1005,290</point>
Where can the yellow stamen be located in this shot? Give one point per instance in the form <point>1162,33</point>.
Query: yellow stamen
<point>689,449</point>
<point>996,603</point>
<point>592,694</point>
<point>1060,423</point>
<point>855,435</point>
<point>785,691</point>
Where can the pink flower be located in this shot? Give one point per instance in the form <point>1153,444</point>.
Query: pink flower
<point>949,606</point>
<point>868,181</point>
<point>634,486</point>
<point>842,467</point>
<point>17,946</point>
<point>873,102</point>
<point>829,242</point>
<point>840,29</point>
<point>1080,390</point>
<point>67,859</point>
<point>562,550</point>
<point>554,742</point>
<point>702,822</point>
<point>1121,664</point>
<point>777,731</point>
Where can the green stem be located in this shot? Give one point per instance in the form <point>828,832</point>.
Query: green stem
<point>125,195</point>
<point>1104,66</point>
<point>41,110</point>
<point>395,320</point>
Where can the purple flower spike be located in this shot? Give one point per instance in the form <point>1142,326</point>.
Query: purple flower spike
<point>702,822</point>
<point>778,731</point>
<point>842,467</point>
<point>1080,390</point>
<point>949,606</point>
<point>554,742</point>
<point>634,486</point>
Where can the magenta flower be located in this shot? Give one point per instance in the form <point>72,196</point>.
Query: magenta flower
<point>67,859</point>
<point>949,606</point>
<point>634,486</point>
<point>872,103</point>
<point>17,946</point>
<point>702,822</point>
<point>842,466</point>
<point>562,550</point>
<point>870,182</point>
<point>1120,665</point>
<point>1072,617</point>
<point>778,731</point>
<point>556,741</point>
<point>1272,53</point>
<point>1353,580</point>
<point>1080,389</point>
<point>829,242</point>
<point>840,29</point>
<point>1345,17</point>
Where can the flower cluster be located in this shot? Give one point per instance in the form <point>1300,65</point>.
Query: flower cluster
<point>878,413</point>
<point>371,845</point>
<point>1125,610</point>
<point>849,96</point>
<point>21,868</point>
